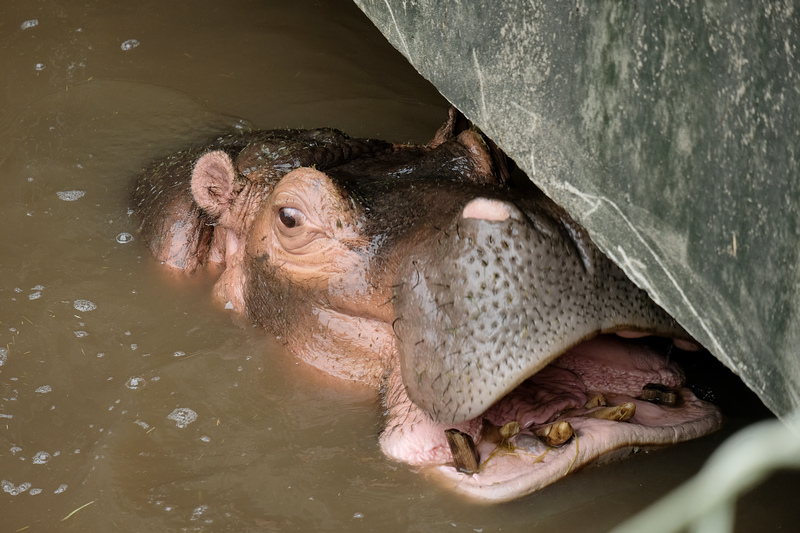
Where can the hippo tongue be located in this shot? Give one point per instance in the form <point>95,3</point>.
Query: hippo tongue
<point>497,296</point>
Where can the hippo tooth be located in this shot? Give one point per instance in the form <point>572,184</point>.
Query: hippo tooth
<point>597,401</point>
<point>465,455</point>
<point>618,413</point>
<point>509,430</point>
<point>555,434</point>
<point>659,394</point>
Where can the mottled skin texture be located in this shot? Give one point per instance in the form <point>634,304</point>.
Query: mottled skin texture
<point>419,271</point>
<point>528,282</point>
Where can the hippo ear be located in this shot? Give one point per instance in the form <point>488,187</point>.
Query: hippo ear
<point>489,164</point>
<point>456,123</point>
<point>212,182</point>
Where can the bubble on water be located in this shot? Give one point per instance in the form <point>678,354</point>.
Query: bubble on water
<point>124,237</point>
<point>358,515</point>
<point>135,383</point>
<point>81,334</point>
<point>228,305</point>
<point>14,450</point>
<point>39,66</point>
<point>4,415</point>
<point>41,458</point>
<point>198,511</point>
<point>71,196</point>
<point>134,347</point>
<point>130,44</point>
<point>182,416</point>
<point>29,24</point>
<point>38,288</point>
<point>101,354</point>
<point>3,356</point>
<point>205,438</point>
<point>44,389</point>
<point>84,305</point>
<point>142,424</point>
<point>179,353</point>
<point>61,488</point>
<point>12,489</point>
<point>34,492</point>
<point>35,295</point>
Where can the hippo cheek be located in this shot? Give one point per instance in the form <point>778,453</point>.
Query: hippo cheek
<point>484,311</point>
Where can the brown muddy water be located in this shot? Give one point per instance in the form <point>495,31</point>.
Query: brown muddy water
<point>103,357</point>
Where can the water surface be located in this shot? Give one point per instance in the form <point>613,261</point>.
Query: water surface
<point>128,400</point>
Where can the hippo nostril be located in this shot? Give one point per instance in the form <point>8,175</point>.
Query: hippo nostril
<point>486,209</point>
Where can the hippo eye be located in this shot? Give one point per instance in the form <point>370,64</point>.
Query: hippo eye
<point>290,217</point>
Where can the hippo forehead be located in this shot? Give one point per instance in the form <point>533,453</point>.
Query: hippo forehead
<point>409,205</point>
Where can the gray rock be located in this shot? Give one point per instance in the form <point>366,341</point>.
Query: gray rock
<point>669,131</point>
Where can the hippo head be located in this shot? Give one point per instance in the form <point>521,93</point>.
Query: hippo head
<point>505,345</point>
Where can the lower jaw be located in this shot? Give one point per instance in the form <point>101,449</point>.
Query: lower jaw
<point>524,464</point>
<point>513,456</point>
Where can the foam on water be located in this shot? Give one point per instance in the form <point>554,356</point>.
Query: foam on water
<point>135,382</point>
<point>67,196</point>
<point>182,416</point>
<point>84,305</point>
<point>41,458</point>
<point>12,489</point>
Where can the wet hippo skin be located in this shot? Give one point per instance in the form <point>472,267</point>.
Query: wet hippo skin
<point>506,348</point>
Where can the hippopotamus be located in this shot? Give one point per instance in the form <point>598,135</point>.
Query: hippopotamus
<point>506,349</point>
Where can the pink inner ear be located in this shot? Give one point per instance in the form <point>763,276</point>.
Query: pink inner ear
<point>212,182</point>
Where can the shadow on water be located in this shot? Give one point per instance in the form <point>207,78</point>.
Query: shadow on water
<point>132,397</point>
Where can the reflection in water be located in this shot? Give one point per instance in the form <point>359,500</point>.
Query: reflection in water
<point>127,399</point>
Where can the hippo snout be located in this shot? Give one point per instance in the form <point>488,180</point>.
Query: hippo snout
<point>500,292</point>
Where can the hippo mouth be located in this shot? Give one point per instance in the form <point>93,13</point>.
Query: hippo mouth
<point>512,375</point>
<point>605,399</point>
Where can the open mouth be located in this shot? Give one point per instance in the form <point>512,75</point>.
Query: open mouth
<point>514,368</point>
<point>602,400</point>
